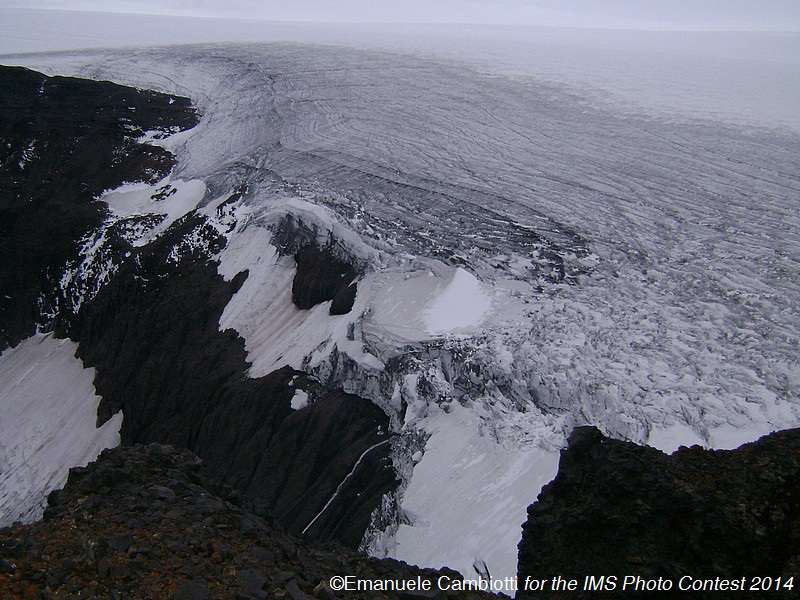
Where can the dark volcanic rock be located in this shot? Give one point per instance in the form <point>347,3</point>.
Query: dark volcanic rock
<point>320,277</point>
<point>207,548</point>
<point>616,508</point>
<point>191,590</point>
<point>62,142</point>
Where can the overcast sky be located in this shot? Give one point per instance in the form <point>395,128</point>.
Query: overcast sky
<point>781,15</point>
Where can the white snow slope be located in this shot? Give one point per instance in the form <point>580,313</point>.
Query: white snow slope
<point>48,413</point>
<point>452,186</point>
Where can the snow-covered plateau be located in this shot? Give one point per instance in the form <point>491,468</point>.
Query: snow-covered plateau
<point>530,260</point>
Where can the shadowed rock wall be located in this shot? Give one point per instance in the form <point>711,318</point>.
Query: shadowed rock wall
<point>616,508</point>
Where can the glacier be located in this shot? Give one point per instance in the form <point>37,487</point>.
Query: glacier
<point>533,259</point>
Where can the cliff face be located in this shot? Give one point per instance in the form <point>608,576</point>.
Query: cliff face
<point>322,276</point>
<point>144,522</point>
<point>616,508</point>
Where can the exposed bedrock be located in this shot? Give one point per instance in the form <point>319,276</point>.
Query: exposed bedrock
<point>320,277</point>
<point>326,267</point>
<point>616,508</point>
<point>62,142</point>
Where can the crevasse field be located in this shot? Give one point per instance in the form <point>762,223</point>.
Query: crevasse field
<point>560,227</point>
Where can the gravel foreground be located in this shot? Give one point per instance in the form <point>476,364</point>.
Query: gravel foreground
<point>144,522</point>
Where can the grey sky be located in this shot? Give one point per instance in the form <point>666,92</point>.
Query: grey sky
<point>645,14</point>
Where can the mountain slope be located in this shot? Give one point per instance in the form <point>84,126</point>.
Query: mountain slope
<point>145,315</point>
<point>64,142</point>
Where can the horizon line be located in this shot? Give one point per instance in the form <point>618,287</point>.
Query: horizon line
<point>259,19</point>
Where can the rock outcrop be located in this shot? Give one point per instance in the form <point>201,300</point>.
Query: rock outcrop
<point>152,333</point>
<point>144,522</point>
<point>618,509</point>
<point>321,276</point>
<point>326,270</point>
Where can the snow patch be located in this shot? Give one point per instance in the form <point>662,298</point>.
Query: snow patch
<point>28,154</point>
<point>299,400</point>
<point>169,139</point>
<point>669,439</point>
<point>48,412</point>
<point>276,332</point>
<point>468,496</point>
<point>172,198</point>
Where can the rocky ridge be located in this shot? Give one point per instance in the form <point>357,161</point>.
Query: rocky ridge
<point>144,522</point>
<point>63,141</point>
<point>616,508</point>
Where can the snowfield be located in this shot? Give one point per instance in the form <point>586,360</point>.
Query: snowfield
<point>534,260</point>
<point>48,416</point>
<point>168,199</point>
